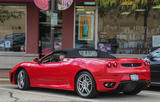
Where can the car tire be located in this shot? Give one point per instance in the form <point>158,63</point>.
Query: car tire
<point>85,85</point>
<point>136,90</point>
<point>23,82</point>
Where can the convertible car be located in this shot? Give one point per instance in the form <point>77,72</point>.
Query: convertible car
<point>85,71</point>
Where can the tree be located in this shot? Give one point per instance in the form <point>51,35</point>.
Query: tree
<point>134,4</point>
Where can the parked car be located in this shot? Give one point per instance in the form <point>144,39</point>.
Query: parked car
<point>86,71</point>
<point>12,42</point>
<point>154,59</point>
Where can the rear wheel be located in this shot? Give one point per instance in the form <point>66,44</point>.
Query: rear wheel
<point>85,85</point>
<point>23,80</point>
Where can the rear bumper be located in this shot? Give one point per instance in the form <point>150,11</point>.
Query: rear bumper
<point>121,79</point>
<point>130,85</point>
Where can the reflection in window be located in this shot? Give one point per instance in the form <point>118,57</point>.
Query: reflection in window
<point>124,33</point>
<point>85,23</point>
<point>45,36</point>
<point>12,28</point>
<point>45,32</point>
<point>88,53</point>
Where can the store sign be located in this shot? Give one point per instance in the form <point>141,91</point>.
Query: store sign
<point>42,4</point>
<point>54,19</point>
<point>89,3</point>
<point>64,4</point>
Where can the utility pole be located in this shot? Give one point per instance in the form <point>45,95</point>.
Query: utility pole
<point>52,26</point>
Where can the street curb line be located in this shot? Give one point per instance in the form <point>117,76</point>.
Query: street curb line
<point>4,79</point>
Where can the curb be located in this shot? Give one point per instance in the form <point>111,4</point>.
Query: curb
<point>4,81</point>
<point>4,73</point>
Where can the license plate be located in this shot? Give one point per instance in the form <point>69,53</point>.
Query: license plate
<point>134,77</point>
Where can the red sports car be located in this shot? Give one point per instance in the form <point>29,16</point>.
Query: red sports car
<point>85,71</point>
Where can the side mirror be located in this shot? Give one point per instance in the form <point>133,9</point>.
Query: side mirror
<point>36,60</point>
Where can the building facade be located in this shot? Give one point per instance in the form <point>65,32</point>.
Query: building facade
<point>19,32</point>
<point>25,30</point>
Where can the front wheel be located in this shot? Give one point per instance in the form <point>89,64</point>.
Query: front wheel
<point>23,80</point>
<point>85,85</point>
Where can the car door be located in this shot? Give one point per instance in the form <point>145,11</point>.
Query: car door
<point>47,71</point>
<point>155,67</point>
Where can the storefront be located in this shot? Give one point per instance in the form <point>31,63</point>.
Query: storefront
<point>19,32</point>
<point>45,32</point>
<point>129,32</point>
<point>25,30</point>
<point>118,32</point>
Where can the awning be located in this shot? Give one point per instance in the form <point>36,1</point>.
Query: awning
<point>15,1</point>
<point>33,0</point>
<point>42,4</point>
<point>83,0</point>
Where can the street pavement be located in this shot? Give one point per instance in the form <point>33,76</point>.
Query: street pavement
<point>10,93</point>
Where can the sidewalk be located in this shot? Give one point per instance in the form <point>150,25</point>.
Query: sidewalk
<point>4,76</point>
<point>4,73</point>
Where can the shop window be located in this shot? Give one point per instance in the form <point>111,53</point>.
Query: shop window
<point>45,32</point>
<point>128,32</point>
<point>85,26</point>
<point>45,36</point>
<point>12,28</point>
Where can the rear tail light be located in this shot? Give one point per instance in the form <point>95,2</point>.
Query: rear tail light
<point>115,64</point>
<point>109,65</point>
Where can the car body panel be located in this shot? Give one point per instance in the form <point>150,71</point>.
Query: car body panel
<point>62,74</point>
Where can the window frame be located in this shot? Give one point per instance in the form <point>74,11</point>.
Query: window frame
<point>25,42</point>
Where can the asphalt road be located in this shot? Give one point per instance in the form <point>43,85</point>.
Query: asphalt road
<point>10,93</point>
